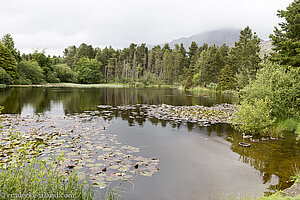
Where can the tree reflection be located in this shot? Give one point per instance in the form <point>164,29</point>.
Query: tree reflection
<point>272,158</point>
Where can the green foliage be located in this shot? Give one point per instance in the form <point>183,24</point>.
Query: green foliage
<point>279,196</point>
<point>212,86</point>
<point>197,79</point>
<point>112,194</point>
<point>289,124</point>
<point>65,73</point>
<point>193,56</point>
<point>69,56</point>
<point>188,82</point>
<point>5,78</point>
<point>171,64</point>
<point>38,178</point>
<point>22,81</point>
<point>287,39</point>
<point>210,63</point>
<point>226,79</point>
<point>244,57</point>
<point>8,62</point>
<point>52,77</point>
<point>8,41</point>
<point>297,131</point>
<point>281,86</point>
<point>253,117</point>
<point>85,50</point>
<point>44,62</point>
<point>184,64</point>
<point>30,70</point>
<point>89,71</point>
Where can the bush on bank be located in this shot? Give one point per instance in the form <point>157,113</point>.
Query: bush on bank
<point>273,97</point>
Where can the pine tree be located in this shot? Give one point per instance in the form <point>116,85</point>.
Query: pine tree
<point>168,67</point>
<point>8,41</point>
<point>193,56</point>
<point>226,79</point>
<point>8,62</point>
<point>244,57</point>
<point>287,39</point>
<point>185,60</point>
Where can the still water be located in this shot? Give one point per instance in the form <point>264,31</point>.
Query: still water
<point>195,162</point>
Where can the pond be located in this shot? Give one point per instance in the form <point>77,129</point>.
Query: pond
<point>196,161</point>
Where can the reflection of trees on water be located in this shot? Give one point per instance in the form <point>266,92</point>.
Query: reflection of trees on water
<point>138,116</point>
<point>77,100</point>
<point>273,158</point>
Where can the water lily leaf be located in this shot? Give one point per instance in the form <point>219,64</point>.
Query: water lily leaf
<point>114,167</point>
<point>100,183</point>
<point>99,164</point>
<point>145,173</point>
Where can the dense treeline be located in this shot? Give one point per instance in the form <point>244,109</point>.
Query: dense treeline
<point>229,68</point>
<point>269,88</point>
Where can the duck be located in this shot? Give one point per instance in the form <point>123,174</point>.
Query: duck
<point>246,136</point>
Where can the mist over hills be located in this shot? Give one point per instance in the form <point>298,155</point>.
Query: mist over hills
<point>217,37</point>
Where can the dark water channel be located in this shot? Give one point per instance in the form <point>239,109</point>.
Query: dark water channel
<point>195,162</point>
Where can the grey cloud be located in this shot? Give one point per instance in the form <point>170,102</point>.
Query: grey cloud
<point>56,24</point>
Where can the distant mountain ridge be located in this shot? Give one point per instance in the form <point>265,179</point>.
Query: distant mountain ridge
<point>217,37</point>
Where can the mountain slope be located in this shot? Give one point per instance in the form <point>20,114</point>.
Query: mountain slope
<point>217,37</point>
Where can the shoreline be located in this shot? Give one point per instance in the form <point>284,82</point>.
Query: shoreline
<point>102,85</point>
<point>119,85</point>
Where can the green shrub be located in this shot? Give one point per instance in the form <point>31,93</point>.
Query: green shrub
<point>197,79</point>
<point>212,86</point>
<point>253,117</point>
<point>89,71</point>
<point>188,82</point>
<point>52,77</point>
<point>31,71</point>
<point>289,124</point>
<point>297,131</point>
<point>5,78</point>
<point>22,81</point>
<point>281,85</point>
<point>65,73</point>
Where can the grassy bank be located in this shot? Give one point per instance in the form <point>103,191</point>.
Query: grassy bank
<point>2,86</point>
<point>75,85</point>
<point>213,90</point>
<point>285,125</point>
<point>102,85</point>
<point>121,85</point>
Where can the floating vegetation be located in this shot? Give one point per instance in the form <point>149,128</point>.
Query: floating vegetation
<point>204,116</point>
<point>82,137</point>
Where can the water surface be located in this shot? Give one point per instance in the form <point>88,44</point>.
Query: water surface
<point>195,162</point>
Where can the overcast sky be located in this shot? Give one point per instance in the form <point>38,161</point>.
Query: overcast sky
<point>56,24</point>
